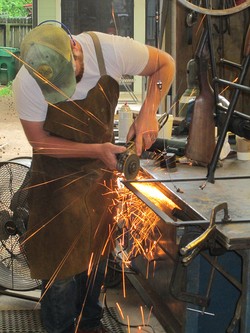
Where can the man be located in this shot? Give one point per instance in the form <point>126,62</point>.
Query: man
<point>66,94</point>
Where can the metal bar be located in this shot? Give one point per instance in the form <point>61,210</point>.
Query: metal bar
<point>212,53</point>
<point>170,322</point>
<point>153,180</point>
<point>230,63</point>
<point>151,205</point>
<point>204,222</point>
<point>220,269</point>
<point>220,142</point>
<point>19,295</point>
<point>210,281</point>
<point>232,84</point>
<point>245,318</point>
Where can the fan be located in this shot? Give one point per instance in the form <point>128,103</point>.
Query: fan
<point>14,269</point>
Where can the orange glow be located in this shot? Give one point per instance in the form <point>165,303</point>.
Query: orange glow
<point>90,264</point>
<point>154,195</point>
<point>137,224</point>
<point>142,316</point>
<point>120,310</point>
<point>128,324</point>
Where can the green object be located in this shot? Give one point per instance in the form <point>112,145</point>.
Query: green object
<point>47,55</point>
<point>8,64</point>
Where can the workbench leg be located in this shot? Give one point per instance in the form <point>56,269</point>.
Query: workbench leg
<point>245,318</point>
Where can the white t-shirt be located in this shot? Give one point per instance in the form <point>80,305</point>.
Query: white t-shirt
<point>122,56</point>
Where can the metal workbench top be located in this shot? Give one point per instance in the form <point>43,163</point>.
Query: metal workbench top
<point>232,185</point>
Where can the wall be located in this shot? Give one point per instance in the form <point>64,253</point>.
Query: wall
<point>139,34</point>
<point>48,10</point>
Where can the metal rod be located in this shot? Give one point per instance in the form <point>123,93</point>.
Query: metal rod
<point>211,278</point>
<point>19,295</point>
<point>222,271</point>
<point>221,139</point>
<point>232,84</point>
<point>182,179</point>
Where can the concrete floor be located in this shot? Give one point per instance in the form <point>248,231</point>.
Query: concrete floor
<point>133,309</point>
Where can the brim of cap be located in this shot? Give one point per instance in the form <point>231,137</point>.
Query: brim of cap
<point>62,88</point>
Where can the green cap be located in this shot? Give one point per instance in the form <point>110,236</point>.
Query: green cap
<point>46,53</point>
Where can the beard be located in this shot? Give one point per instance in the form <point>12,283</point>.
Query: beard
<point>80,74</point>
<point>78,56</point>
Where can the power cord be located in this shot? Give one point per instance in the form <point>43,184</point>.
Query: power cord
<point>143,327</point>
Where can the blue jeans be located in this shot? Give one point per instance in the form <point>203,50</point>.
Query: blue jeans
<point>66,300</point>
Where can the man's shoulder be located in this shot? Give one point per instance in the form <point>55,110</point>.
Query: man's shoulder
<point>104,37</point>
<point>25,84</point>
<point>24,75</point>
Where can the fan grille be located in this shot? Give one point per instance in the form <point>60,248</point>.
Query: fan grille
<point>22,321</point>
<point>14,269</point>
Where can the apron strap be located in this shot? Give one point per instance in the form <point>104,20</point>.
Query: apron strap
<point>99,53</point>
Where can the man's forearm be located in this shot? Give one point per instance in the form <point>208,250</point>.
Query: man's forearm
<point>61,148</point>
<point>159,84</point>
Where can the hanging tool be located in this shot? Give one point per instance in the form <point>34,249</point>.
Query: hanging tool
<point>201,138</point>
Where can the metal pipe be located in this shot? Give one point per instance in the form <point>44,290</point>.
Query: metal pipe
<point>212,165</point>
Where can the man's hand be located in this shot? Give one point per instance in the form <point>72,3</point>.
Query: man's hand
<point>145,130</point>
<point>159,69</point>
<point>108,152</point>
<point>43,143</point>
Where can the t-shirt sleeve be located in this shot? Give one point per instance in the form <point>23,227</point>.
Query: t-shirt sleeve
<point>132,56</point>
<point>28,98</point>
<point>124,55</point>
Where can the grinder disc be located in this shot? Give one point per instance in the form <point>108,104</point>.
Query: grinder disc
<point>129,165</point>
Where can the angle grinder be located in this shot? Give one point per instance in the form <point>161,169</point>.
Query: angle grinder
<point>129,162</point>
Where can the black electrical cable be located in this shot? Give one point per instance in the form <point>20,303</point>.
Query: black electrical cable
<point>142,326</point>
<point>120,270</point>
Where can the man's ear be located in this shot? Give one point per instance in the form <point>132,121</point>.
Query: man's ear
<point>73,43</point>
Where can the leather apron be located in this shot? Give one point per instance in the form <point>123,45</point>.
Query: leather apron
<point>70,202</point>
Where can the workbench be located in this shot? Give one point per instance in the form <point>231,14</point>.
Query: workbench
<point>231,186</point>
